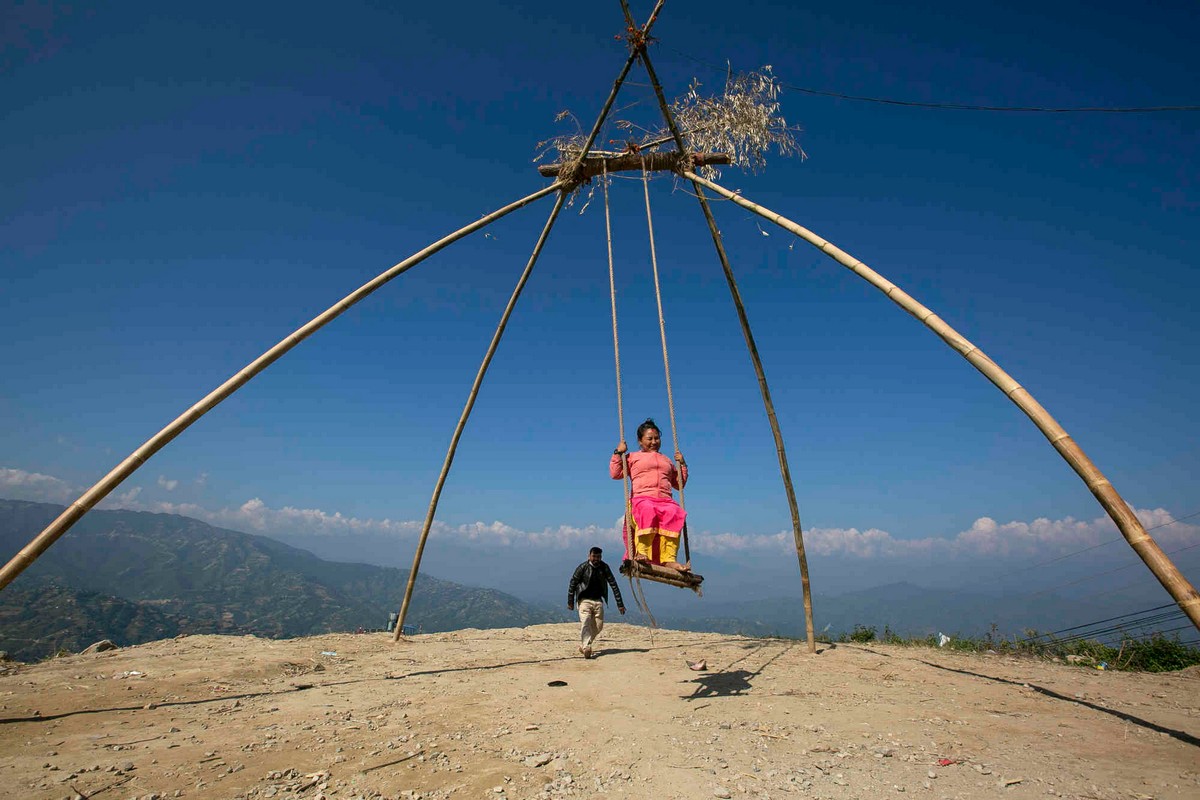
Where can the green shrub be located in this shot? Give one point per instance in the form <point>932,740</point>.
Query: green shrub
<point>862,634</point>
<point>1155,653</point>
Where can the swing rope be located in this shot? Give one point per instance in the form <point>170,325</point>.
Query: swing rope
<point>662,329</point>
<point>635,582</point>
<point>612,293</point>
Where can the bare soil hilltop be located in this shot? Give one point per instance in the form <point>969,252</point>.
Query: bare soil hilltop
<point>516,713</point>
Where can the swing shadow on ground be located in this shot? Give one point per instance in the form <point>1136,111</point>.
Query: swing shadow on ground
<point>721,684</point>
<point>391,677</point>
<point>732,683</point>
<point>1182,736</point>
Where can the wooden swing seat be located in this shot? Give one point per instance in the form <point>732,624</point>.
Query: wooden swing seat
<point>649,571</point>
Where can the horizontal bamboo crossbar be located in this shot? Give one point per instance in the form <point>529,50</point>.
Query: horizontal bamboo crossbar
<point>651,162</point>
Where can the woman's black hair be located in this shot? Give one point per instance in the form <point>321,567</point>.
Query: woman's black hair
<point>645,426</point>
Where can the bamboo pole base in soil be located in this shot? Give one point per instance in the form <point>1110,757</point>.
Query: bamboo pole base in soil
<point>660,574</point>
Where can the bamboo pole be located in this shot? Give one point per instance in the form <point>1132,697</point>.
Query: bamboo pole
<point>114,478</point>
<point>764,389</point>
<point>662,332</point>
<point>1110,500</point>
<point>466,413</point>
<point>627,534</point>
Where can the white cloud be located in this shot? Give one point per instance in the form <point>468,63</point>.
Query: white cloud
<point>21,485</point>
<point>126,499</point>
<point>256,516</point>
<point>985,538</point>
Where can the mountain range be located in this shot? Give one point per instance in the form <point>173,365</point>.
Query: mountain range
<point>133,577</point>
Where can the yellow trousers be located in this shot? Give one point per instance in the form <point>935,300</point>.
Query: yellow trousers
<point>656,547</point>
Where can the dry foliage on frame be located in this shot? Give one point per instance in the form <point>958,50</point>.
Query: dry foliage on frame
<point>744,121</point>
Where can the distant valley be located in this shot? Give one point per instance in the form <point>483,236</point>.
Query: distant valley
<point>135,577</point>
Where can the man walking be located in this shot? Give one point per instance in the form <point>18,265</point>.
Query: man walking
<point>589,589</point>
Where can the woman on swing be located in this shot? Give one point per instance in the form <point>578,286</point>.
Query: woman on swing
<point>657,518</point>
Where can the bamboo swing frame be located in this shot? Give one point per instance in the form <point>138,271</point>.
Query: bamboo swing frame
<point>569,177</point>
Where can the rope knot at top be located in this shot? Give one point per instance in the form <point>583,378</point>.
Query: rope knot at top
<point>636,38</point>
<point>572,175</point>
<point>687,161</point>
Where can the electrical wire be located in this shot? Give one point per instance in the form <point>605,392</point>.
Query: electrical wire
<point>1105,572</point>
<point>1122,629</point>
<point>1102,621</point>
<point>1146,578</point>
<point>959,106</point>
<point>1023,569</point>
<point>1092,632</point>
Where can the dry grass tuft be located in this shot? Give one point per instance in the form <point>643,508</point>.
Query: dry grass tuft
<point>743,121</point>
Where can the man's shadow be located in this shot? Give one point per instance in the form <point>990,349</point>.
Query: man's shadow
<point>721,684</point>
<point>612,651</point>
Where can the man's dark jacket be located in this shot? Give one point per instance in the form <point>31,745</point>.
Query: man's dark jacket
<point>591,582</point>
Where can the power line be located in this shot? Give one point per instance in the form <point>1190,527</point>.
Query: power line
<point>1027,567</point>
<point>1140,581</point>
<point>1102,621</point>
<point>967,107</point>
<point>1105,572</point>
<point>1093,632</point>
<point>960,106</point>
<point>1126,630</point>
<point>1096,634</point>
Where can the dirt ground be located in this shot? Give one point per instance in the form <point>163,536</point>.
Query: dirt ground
<point>518,713</point>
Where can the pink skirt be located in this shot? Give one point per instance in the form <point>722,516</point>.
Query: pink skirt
<point>655,515</point>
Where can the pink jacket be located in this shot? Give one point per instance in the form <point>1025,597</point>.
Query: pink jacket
<point>652,474</point>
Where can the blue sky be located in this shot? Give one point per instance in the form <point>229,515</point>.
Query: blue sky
<point>183,188</point>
